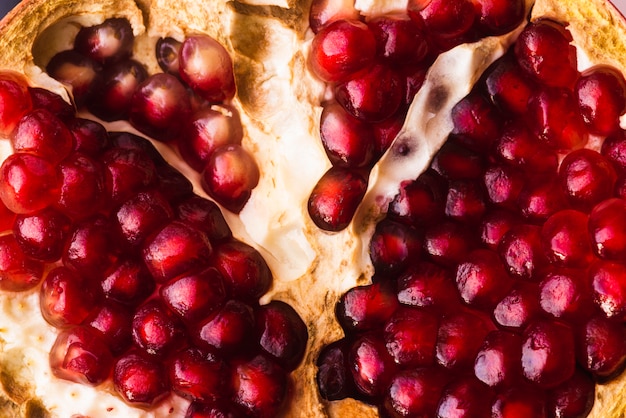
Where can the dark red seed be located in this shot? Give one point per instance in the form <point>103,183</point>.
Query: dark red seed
<point>140,381</point>
<point>366,307</point>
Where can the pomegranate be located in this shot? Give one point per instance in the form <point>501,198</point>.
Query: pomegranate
<point>324,209</point>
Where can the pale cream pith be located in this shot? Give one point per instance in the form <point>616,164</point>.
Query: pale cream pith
<point>280,106</point>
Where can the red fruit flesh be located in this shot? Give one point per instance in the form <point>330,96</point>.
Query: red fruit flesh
<point>43,134</point>
<point>140,381</point>
<point>414,393</point>
<point>394,246</point>
<point>333,378</point>
<point>29,183</point>
<point>324,12</point>
<point>17,271</point>
<point>77,71</point>
<point>55,104</point>
<point>42,235</point>
<point>198,375</point>
<point>411,336</point>
<point>155,330</point>
<point>228,330</point>
<point>109,41</point>
<point>497,363</point>
<point>363,308</point>
<point>371,365</point>
<point>15,100</point>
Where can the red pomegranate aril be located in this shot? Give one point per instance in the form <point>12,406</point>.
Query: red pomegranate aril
<point>6,218</point>
<point>366,307</point>
<point>282,333</point>
<point>333,377</point>
<point>198,375</point>
<point>112,322</point>
<point>565,294</point>
<point>66,298</point>
<point>508,86</point>
<point>481,279</point>
<point>443,19</point>
<point>466,201</point>
<point>126,172</point>
<point>42,235</point>
<point>108,41</point>
<point>519,401</point>
<point>601,347</point>
<point>456,162</point>
<point>141,216</point>
<point>323,12</point>
<point>112,97</point>
<point>128,141</point>
<point>55,104</point>
<point>503,185</point>
<point>497,17</point>
<point>414,393</point>
<point>246,273</point>
<point>601,95</point>
<point>544,51</point>
<point>410,336</point>
<point>587,178</point>
<point>213,409</point>
<point>209,129</point>
<point>79,72</point>
<point>230,329</point>
<point>494,226</point>
<point>608,281</point>
<point>15,100</point>
<point>18,272</point>
<point>89,250</point>
<point>230,175</point>
<point>476,121</point>
<point>427,285</point>
<point>195,296</point>
<point>548,353</point>
<point>497,363</point>
<point>420,202</point>
<point>172,184</point>
<point>176,249</point>
<point>465,397</point>
<point>573,398</point>
<point>387,130</point>
<point>160,107</point>
<point>565,239</point>
<point>205,65</point>
<point>139,380</point>
<point>129,282</point>
<point>155,330</point>
<point>348,141</point>
<point>518,307</point>
<point>28,183</point>
<point>518,147</point>
<point>614,149</point>
<point>448,242</point>
<point>539,200</point>
<point>394,246</point>
<point>460,336</point>
<point>90,137</point>
<point>522,253</point>
<point>81,182</point>
<point>399,40</point>
<point>167,52</point>
<point>260,387</point>
<point>554,118</point>
<point>607,228</point>
<point>372,367</point>
<point>373,95</point>
<point>414,82</point>
<point>335,198</point>
<point>341,49</point>
<point>80,356</point>
<point>204,215</point>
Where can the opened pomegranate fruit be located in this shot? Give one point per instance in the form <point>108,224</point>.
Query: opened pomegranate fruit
<point>326,208</point>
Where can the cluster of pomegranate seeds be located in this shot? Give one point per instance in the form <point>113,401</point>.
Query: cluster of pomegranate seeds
<point>375,67</point>
<point>143,279</point>
<point>500,284</point>
<point>187,106</point>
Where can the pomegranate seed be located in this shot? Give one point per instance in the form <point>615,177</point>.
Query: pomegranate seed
<point>205,216</point>
<point>206,66</point>
<point>228,329</point>
<point>399,40</point>
<point>456,162</point>
<point>366,307</point>
<point>415,393</point>
<point>112,97</point>
<point>193,297</point>
<point>141,216</point>
<point>538,201</point>
<point>394,246</point>
<point>587,178</point>
<point>112,322</point>
<point>614,150</point>
<point>230,175</point>
<point>497,17</point>
<point>246,274</point>
<point>66,298</point>
<point>334,378</point>
<point>140,381</point>
<point>198,375</point>
<point>335,198</point>
<point>518,307</point>
<point>565,294</point>
<point>323,12</point>
<point>371,365</point>
<point>565,239</point>
<point>128,282</point>
<point>476,121</point>
<point>410,336</point>
<point>548,357</point>
<point>448,242</point>
<point>55,104</point>
<point>213,409</point>
<point>522,252</point>
<point>126,172</point>
<point>6,217</point>
<point>160,107</point>
<point>518,147</point>
<point>503,184</point>
<point>466,201</point>
<point>167,52</point>
<point>28,183</point>
<point>176,249</point>
<point>109,41</point>
<point>495,225</point>
<point>42,235</point>
<point>601,347</point>
<point>481,279</point>
<point>414,82</point>
<point>443,19</point>
<point>17,271</point>
<point>208,130</point>
<point>79,72</point>
<point>608,280</point>
<point>573,398</point>
<point>508,85</point>
<point>460,337</point>
<point>465,397</point>
<point>80,356</point>
<point>130,142</point>
<point>155,329</point>
<point>520,401</point>
<point>387,130</point>
<point>544,51</point>
<point>373,95</point>
<point>89,250</point>
<point>420,202</point>
<point>174,186</point>
<point>81,186</point>
<point>427,285</point>
<point>348,141</point>
<point>601,95</point>
<point>607,228</point>
<point>15,100</point>
<point>260,387</point>
<point>497,363</point>
<point>90,137</point>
